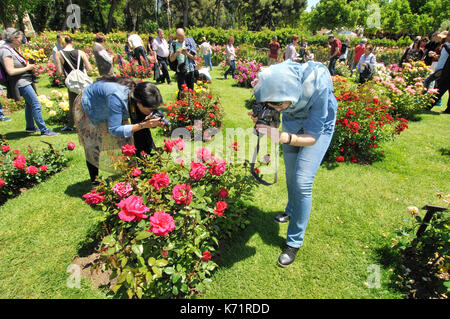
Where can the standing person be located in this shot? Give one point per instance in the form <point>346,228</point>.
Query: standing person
<point>67,60</point>
<point>442,73</point>
<point>20,79</point>
<point>206,51</point>
<point>304,95</point>
<point>274,51</point>
<point>161,48</point>
<point>136,44</point>
<point>432,50</point>
<point>231,57</point>
<point>366,65</point>
<point>101,114</point>
<point>344,51</point>
<point>58,47</point>
<point>170,39</point>
<point>304,53</point>
<point>335,52</point>
<point>413,53</point>
<point>291,49</point>
<point>150,50</point>
<point>105,61</point>
<point>358,52</point>
<point>184,52</point>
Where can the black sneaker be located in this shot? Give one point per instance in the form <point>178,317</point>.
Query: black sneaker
<point>287,257</point>
<point>32,130</point>
<point>49,133</point>
<point>282,218</point>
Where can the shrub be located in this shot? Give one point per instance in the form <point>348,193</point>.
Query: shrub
<point>246,72</point>
<point>163,226</point>
<point>56,105</point>
<point>56,80</point>
<point>133,70</point>
<point>11,105</point>
<point>18,171</point>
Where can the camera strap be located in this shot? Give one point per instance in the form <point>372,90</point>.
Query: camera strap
<point>252,167</point>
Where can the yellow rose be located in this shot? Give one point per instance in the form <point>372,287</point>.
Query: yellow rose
<point>49,104</point>
<point>52,113</point>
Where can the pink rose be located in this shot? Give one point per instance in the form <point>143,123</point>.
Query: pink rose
<point>93,198</point>
<point>5,148</point>
<point>203,154</point>
<point>132,209</point>
<point>162,224</point>
<point>182,194</point>
<point>122,190</point>
<point>20,162</point>
<point>217,168</point>
<point>32,170</point>
<point>136,172</point>
<point>198,170</point>
<point>43,168</point>
<point>159,180</point>
<point>220,208</point>
<point>2,182</point>
<point>71,146</point>
<point>223,193</point>
<point>128,150</point>
<point>168,145</point>
<point>179,144</point>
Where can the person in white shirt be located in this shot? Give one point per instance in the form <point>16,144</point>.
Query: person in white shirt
<point>291,51</point>
<point>366,65</point>
<point>231,57</point>
<point>161,47</point>
<point>136,44</point>
<point>206,51</point>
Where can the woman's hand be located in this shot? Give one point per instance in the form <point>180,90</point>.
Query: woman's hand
<point>152,123</point>
<point>31,67</point>
<point>271,132</point>
<point>254,119</point>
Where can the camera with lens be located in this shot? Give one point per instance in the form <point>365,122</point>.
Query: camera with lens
<point>33,76</point>
<point>266,115</point>
<point>160,114</point>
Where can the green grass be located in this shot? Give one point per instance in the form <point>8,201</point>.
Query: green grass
<point>355,211</point>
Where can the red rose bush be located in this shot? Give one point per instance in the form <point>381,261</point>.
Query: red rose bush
<point>163,218</point>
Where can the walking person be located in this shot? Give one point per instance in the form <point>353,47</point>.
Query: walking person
<point>69,59</point>
<point>274,51</point>
<point>136,44</point>
<point>357,53</point>
<point>303,93</point>
<point>20,79</point>
<point>104,61</point>
<point>161,48</point>
<point>206,52</point>
<point>231,57</point>
<point>335,52</point>
<point>184,51</point>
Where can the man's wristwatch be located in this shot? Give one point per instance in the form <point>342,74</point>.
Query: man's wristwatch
<point>289,140</point>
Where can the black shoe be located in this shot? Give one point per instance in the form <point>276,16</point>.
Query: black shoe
<point>287,257</point>
<point>282,218</point>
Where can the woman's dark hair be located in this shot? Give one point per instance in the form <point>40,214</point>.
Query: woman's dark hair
<point>143,92</point>
<point>67,39</point>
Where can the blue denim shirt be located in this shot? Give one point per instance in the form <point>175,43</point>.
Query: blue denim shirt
<point>310,89</point>
<point>108,102</point>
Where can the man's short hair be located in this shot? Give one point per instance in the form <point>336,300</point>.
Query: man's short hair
<point>100,37</point>
<point>294,37</point>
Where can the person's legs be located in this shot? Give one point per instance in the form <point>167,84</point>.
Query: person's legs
<point>165,70</point>
<point>190,80</point>
<point>233,68</point>
<point>2,116</point>
<point>141,51</point>
<point>302,169</point>
<point>34,109</point>
<point>93,171</point>
<point>181,79</point>
<point>137,55</point>
<point>332,65</point>
<point>70,121</point>
<point>210,62</point>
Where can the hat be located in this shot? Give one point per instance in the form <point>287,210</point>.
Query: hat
<point>443,34</point>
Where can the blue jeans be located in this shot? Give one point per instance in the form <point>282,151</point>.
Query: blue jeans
<point>302,164</point>
<point>1,110</point>
<point>32,109</point>
<point>207,58</point>
<point>232,69</point>
<point>331,66</point>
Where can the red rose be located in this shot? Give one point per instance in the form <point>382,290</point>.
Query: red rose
<point>132,209</point>
<point>217,168</point>
<point>159,180</point>
<point>340,159</point>
<point>182,194</point>
<point>5,148</point>
<point>128,150</point>
<point>223,193</point>
<point>198,170</point>
<point>71,146</point>
<point>206,256</point>
<point>43,168</point>
<point>2,182</point>
<point>168,145</point>
<point>136,172</point>
<point>162,224</point>
<point>93,198</point>
<point>20,162</point>
<point>220,208</point>
<point>164,253</point>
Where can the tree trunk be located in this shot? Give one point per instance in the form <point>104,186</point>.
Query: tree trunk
<point>99,9</point>
<point>185,13</point>
<point>110,15</point>
<point>168,14</point>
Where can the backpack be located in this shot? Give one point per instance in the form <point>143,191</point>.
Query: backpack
<point>173,65</point>
<point>76,80</point>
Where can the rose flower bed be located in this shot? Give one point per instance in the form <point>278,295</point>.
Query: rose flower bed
<point>19,171</point>
<point>133,70</point>
<point>196,105</point>
<point>363,121</point>
<point>164,217</point>
<point>246,72</point>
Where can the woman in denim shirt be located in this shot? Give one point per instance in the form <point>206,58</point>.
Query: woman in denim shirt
<point>101,113</point>
<point>304,95</point>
